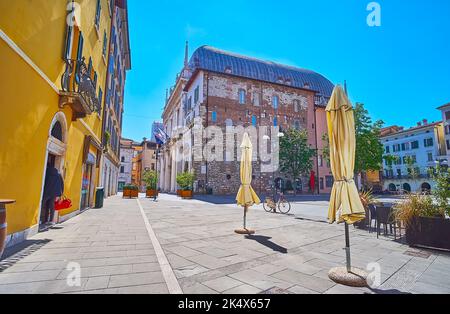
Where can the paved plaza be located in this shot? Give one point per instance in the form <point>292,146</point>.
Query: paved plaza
<point>189,246</point>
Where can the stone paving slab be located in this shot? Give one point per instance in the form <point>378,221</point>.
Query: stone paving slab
<point>111,245</point>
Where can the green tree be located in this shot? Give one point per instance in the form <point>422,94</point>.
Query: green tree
<point>296,156</point>
<point>441,175</point>
<point>369,150</point>
<point>411,167</point>
<point>150,178</point>
<point>390,160</point>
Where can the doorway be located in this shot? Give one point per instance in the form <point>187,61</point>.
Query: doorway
<point>55,156</point>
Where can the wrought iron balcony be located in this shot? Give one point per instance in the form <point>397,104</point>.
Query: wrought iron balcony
<point>78,90</point>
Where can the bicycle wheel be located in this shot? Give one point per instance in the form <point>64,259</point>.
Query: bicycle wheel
<point>268,205</point>
<point>284,206</point>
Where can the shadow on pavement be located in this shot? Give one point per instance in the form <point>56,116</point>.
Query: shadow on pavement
<point>18,252</point>
<point>266,242</point>
<point>390,291</point>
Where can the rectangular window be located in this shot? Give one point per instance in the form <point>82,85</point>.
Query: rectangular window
<point>100,99</point>
<point>275,102</point>
<point>196,94</point>
<point>296,105</point>
<point>105,43</point>
<point>95,80</point>
<point>430,157</point>
<point>122,169</point>
<point>98,14</point>
<point>320,161</point>
<point>428,142</point>
<point>321,184</point>
<point>275,122</point>
<point>189,103</point>
<point>214,116</point>
<point>388,149</point>
<point>242,97</point>
<point>256,99</point>
<point>415,145</point>
<point>297,125</point>
<point>69,42</point>
<point>329,181</point>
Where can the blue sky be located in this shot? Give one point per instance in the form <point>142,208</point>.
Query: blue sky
<point>401,70</point>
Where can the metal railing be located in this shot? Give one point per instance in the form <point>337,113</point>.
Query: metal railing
<point>77,80</point>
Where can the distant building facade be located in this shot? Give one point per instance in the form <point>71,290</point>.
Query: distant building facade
<point>419,148</point>
<point>127,149</point>
<point>119,62</point>
<point>223,89</point>
<point>445,109</point>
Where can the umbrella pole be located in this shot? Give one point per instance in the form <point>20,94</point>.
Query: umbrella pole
<point>245,217</point>
<point>347,248</point>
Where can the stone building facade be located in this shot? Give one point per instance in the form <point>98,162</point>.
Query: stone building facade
<point>225,90</point>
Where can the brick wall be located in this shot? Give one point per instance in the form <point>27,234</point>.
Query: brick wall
<point>221,101</point>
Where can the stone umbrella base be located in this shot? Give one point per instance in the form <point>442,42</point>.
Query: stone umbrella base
<point>355,278</point>
<point>245,231</point>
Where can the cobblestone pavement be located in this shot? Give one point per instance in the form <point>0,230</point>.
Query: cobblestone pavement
<point>117,253</point>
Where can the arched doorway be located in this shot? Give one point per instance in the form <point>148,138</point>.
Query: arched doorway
<point>392,187</point>
<point>426,187</point>
<point>55,152</point>
<point>407,187</point>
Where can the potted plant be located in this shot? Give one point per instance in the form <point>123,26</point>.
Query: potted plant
<point>426,217</point>
<point>186,181</point>
<point>130,191</point>
<point>151,180</point>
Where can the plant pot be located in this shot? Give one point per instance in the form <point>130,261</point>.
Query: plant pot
<point>3,231</point>
<point>126,193</point>
<point>130,193</point>
<point>429,232</point>
<point>187,194</point>
<point>151,193</point>
<point>179,192</point>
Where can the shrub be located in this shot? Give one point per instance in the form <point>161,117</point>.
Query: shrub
<point>415,205</point>
<point>131,187</point>
<point>150,178</point>
<point>186,180</point>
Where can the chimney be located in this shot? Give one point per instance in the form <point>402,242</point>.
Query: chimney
<point>425,122</point>
<point>419,123</point>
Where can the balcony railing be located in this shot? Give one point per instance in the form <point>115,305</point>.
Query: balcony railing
<point>78,90</point>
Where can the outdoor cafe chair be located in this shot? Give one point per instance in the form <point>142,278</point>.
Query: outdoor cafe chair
<point>385,217</point>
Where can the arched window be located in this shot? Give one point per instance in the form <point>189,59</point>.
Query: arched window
<point>57,131</point>
<point>392,187</point>
<point>407,187</point>
<point>426,187</point>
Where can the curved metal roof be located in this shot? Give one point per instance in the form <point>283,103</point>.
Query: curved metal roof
<point>212,59</point>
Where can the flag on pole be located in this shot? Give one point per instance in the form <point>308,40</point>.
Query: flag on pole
<point>161,136</point>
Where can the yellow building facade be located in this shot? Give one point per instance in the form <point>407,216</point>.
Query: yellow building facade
<point>50,103</point>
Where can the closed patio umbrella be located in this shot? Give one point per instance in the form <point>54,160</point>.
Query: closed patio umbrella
<point>345,203</point>
<point>246,196</point>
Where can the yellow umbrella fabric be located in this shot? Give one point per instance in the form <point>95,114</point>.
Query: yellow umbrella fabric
<point>345,203</point>
<point>246,196</point>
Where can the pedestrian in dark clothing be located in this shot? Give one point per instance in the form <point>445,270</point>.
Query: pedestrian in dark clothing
<point>53,190</point>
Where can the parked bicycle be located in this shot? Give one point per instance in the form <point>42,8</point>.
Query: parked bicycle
<point>277,201</point>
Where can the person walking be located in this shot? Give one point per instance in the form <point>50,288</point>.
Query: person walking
<point>53,190</point>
